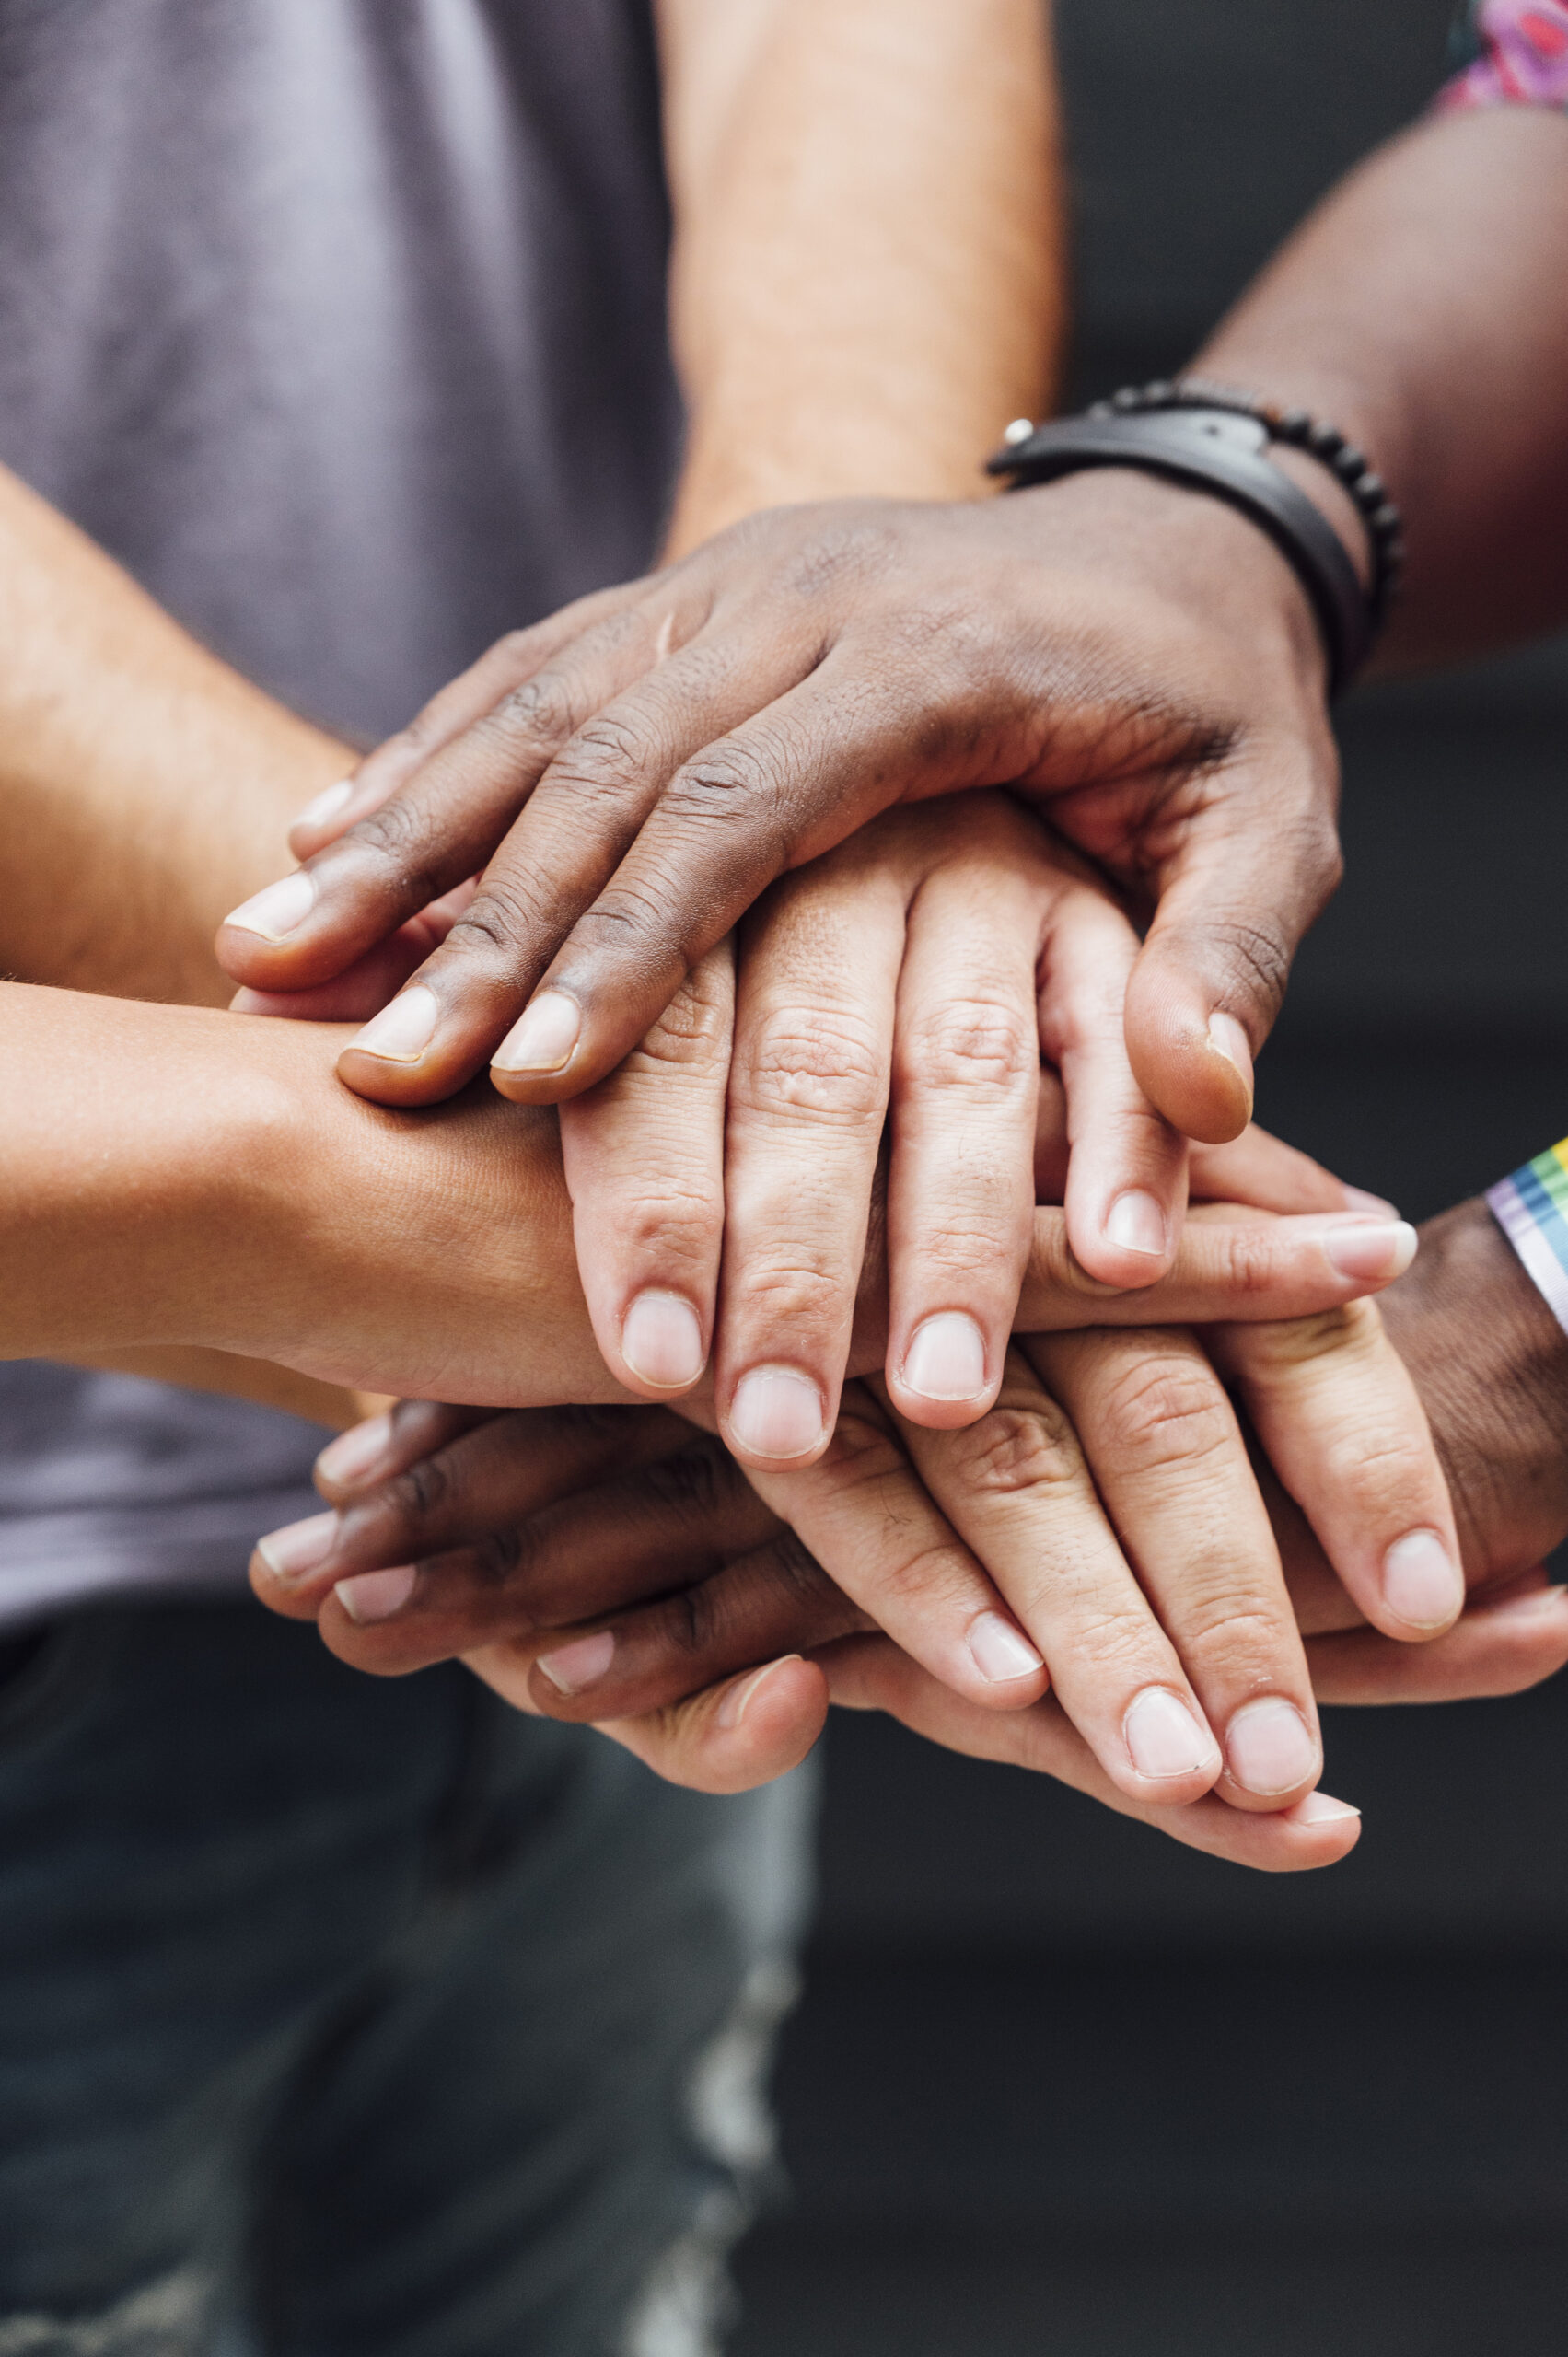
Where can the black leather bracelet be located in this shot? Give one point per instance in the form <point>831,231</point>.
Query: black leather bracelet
<point>1219,446</point>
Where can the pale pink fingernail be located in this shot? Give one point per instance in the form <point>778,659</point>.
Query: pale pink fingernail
<point>661,1340</point>
<point>543,1036</point>
<point>299,1548</point>
<point>1421,1582</point>
<point>738,1699</point>
<point>355,1455</point>
<point>1321,1808</point>
<point>777,1414</point>
<point>281,909</point>
<point>579,1663</point>
<point>1163,1738</point>
<point>403,1030</point>
<point>1136,1222</point>
<point>945,1359</point>
<point>1000,1651</point>
<point>326,804</point>
<point>1227,1037</point>
<point>1368,1249</point>
<point>1269,1748</point>
<point>376,1596</point>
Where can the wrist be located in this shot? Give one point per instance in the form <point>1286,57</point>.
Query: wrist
<point>1490,1363</point>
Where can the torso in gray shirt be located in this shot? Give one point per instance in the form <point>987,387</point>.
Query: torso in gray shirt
<point>341,324</point>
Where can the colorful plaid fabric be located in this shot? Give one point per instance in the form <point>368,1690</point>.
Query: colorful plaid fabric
<point>1513,52</point>
<point>1531,1208</point>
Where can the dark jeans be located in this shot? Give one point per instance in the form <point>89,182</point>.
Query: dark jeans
<point>343,2015</point>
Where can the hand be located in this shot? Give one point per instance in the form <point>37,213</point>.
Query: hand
<point>1165,1455</point>
<point>904,980</point>
<point>632,774</point>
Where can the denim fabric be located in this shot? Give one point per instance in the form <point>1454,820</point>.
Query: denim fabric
<point>341,2015</point>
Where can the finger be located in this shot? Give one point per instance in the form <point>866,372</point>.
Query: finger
<point>1340,1420</point>
<point>1127,1174</point>
<point>453,708</point>
<point>1170,1462</point>
<point>644,1154</point>
<point>960,1192</point>
<point>442,824</point>
<point>471,1481</point>
<point>863,1514</point>
<point>1499,1648</point>
<point>382,1445</point>
<point>1225,1267</point>
<point>1261,1170</point>
<point>634,722</point>
<point>363,988</point>
<point>736,1736</point>
<point>772,1600</point>
<point>1257,860</point>
<point>665,1531</point>
<point>1016,1488</point>
<point>792,781</point>
<point>870,1674</point>
<point>808,1095</point>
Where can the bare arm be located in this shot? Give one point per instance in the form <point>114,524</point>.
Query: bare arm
<point>142,780</point>
<point>866,274</point>
<point>1423,307</point>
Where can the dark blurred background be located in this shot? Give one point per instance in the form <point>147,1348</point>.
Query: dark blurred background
<point>1057,2085</point>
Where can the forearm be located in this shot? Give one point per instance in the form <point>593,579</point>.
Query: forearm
<point>867,274</point>
<point>1423,307</point>
<point>146,787</point>
<point>176,1176</point>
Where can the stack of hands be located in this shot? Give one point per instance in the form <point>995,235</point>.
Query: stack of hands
<point>974,1358</point>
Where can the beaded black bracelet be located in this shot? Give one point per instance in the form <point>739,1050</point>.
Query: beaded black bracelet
<point>1299,430</point>
<point>1215,439</point>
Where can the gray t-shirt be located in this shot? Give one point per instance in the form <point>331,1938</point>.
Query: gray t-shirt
<point>340,323</point>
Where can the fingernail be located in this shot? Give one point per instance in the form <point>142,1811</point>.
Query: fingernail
<point>1136,1222</point>
<point>777,1414</point>
<point>299,1547</point>
<point>1371,1248</point>
<point>1378,1206</point>
<point>1421,1582</point>
<point>736,1700</point>
<point>1321,1808</point>
<point>580,1663</point>
<point>403,1030</point>
<point>1227,1037</point>
<point>543,1036</point>
<point>325,805</point>
<point>355,1455</point>
<point>1269,1746</point>
<point>661,1340</point>
<point>277,912</point>
<point>945,1359</point>
<point>1163,1736</point>
<point>376,1596</point>
<point>1000,1651</point>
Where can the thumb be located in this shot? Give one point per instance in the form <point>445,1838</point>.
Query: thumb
<point>1208,982</point>
<point>736,1735</point>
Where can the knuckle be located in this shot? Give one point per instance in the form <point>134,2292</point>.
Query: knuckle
<point>501,1556</point>
<point>537,712</point>
<point>694,1029</point>
<point>1280,1347</point>
<point>1017,1450</point>
<point>1256,951</point>
<point>696,1485</point>
<point>1156,1412</point>
<point>821,1062</point>
<point>606,760</point>
<point>685,1221</point>
<point>500,927</point>
<point>974,1045</point>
